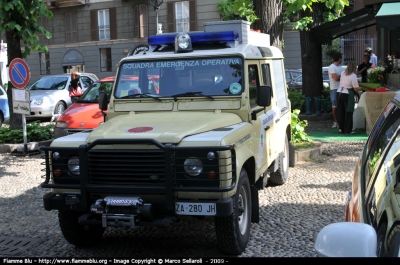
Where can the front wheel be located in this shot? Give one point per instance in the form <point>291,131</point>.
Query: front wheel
<point>77,234</point>
<point>281,175</point>
<point>233,231</point>
<point>60,108</point>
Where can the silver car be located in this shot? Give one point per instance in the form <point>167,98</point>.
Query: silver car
<point>49,95</point>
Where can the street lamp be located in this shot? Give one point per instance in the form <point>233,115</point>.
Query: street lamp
<point>156,5</point>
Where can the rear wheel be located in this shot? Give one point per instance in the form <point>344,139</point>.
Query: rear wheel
<point>77,234</point>
<point>281,175</point>
<point>60,108</point>
<point>233,231</point>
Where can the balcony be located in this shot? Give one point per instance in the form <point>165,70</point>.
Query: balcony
<point>52,4</point>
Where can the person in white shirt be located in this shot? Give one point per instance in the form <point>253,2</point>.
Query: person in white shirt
<point>345,94</point>
<point>334,71</point>
<point>373,58</point>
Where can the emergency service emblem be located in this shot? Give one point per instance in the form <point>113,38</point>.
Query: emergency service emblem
<point>141,129</point>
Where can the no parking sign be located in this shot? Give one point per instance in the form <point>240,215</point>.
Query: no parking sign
<point>19,73</point>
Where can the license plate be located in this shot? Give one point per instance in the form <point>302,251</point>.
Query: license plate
<point>195,208</point>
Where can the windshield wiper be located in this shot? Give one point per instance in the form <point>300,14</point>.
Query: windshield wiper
<point>188,94</point>
<point>145,95</point>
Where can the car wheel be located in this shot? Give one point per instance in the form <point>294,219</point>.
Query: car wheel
<point>77,234</point>
<point>233,231</point>
<point>60,108</point>
<point>281,175</point>
<point>381,235</point>
<point>1,119</point>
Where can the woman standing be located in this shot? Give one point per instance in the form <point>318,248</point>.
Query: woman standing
<point>75,90</point>
<point>345,95</point>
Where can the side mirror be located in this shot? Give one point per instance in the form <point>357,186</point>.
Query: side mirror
<point>103,104</point>
<point>264,96</point>
<point>346,239</point>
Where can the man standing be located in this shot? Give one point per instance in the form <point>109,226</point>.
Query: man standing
<point>373,58</point>
<point>335,69</point>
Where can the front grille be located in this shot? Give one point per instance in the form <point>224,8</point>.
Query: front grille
<point>126,167</point>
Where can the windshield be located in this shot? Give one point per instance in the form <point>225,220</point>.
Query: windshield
<point>50,83</point>
<point>183,77</point>
<point>91,95</point>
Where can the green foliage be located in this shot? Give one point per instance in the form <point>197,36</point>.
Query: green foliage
<point>35,133</point>
<point>237,9</point>
<point>374,160</point>
<point>296,99</point>
<point>329,50</point>
<point>21,17</point>
<point>298,133</point>
<point>333,10</point>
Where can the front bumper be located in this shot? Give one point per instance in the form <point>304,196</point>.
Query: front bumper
<point>155,173</point>
<point>143,213</point>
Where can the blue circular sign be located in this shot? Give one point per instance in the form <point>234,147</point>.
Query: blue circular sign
<point>19,73</point>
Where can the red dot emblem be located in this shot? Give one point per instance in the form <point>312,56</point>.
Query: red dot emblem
<point>141,129</point>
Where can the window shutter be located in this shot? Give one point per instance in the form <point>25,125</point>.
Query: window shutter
<point>74,27</point>
<point>109,65</point>
<point>68,36</point>
<point>143,21</point>
<point>94,25</point>
<point>192,16</point>
<point>171,17</point>
<point>113,23</point>
<point>136,19</point>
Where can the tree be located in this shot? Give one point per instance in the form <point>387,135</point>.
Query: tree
<point>19,20</point>
<point>311,13</point>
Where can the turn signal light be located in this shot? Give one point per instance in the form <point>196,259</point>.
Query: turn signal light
<point>211,174</point>
<point>57,172</point>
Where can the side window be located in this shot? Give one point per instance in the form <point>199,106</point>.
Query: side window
<point>266,72</point>
<point>385,181</point>
<point>387,123</point>
<point>86,81</point>
<point>253,83</point>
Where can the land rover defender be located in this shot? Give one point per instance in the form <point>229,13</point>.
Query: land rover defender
<point>202,142</point>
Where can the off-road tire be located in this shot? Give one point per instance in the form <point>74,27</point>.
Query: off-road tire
<point>60,108</point>
<point>281,175</point>
<point>233,231</point>
<point>381,234</point>
<point>75,233</point>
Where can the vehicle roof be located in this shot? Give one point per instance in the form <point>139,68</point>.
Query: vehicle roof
<point>107,79</point>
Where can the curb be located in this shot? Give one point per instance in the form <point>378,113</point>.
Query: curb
<point>304,154</point>
<point>32,146</point>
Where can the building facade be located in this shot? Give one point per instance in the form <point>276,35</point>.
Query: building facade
<point>93,35</point>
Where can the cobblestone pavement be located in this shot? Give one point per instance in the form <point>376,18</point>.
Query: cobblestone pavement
<point>291,214</point>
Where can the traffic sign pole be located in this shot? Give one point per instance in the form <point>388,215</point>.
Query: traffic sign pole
<point>20,74</point>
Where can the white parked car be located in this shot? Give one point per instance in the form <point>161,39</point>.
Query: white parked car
<point>49,95</point>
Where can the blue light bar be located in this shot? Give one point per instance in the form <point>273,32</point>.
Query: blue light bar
<point>197,37</point>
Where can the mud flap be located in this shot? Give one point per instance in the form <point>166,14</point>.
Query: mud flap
<point>292,155</point>
<point>255,205</point>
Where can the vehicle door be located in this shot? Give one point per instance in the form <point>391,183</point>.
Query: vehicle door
<point>381,163</point>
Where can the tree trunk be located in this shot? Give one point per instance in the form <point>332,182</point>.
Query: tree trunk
<point>271,20</point>
<point>311,51</point>
<point>13,51</point>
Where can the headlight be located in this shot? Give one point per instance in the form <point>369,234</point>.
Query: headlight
<point>38,101</point>
<point>193,166</point>
<point>61,124</point>
<point>73,165</point>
